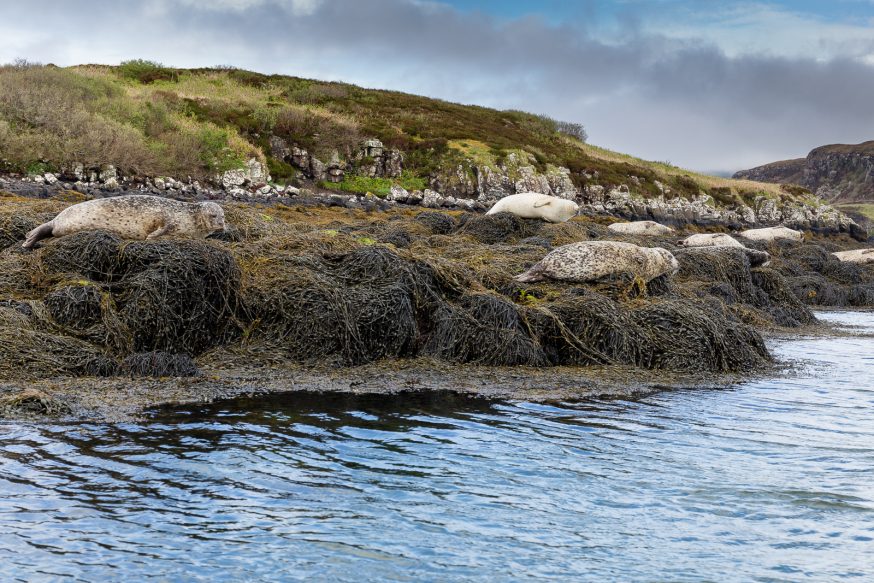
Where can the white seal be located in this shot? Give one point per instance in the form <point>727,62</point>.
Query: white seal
<point>533,205</point>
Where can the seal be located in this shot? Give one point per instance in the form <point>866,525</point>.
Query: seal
<point>594,260</point>
<point>861,256</point>
<point>710,240</point>
<point>769,234</point>
<point>639,228</point>
<point>533,205</point>
<point>134,217</point>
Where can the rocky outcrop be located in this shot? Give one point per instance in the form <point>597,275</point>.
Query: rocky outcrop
<point>515,173</point>
<point>372,159</point>
<point>376,161</point>
<point>702,210</point>
<point>837,173</point>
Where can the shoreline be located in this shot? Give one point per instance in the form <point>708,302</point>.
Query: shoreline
<point>466,256</point>
<point>121,399</point>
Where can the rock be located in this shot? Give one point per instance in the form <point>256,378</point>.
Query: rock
<point>373,148</point>
<point>318,170</point>
<point>415,197</point>
<point>107,172</point>
<point>160,184</point>
<point>279,148</point>
<point>233,179</point>
<point>431,199</point>
<point>257,173</point>
<point>38,179</point>
<point>50,178</point>
<point>265,190</point>
<point>292,191</point>
<point>398,194</point>
<point>111,183</point>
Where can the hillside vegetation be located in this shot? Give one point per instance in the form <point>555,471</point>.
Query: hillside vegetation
<point>147,119</point>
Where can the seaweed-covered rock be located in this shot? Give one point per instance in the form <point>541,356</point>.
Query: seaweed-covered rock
<point>29,353</point>
<point>436,222</point>
<point>76,306</point>
<point>177,296</point>
<point>499,228</point>
<point>600,324</point>
<point>720,264</point>
<point>483,329</point>
<point>785,307</point>
<point>677,335</point>
<point>90,254</point>
<point>158,364</point>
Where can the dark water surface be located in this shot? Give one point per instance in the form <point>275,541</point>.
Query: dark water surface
<point>770,481</point>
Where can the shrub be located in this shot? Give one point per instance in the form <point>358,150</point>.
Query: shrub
<point>318,130</point>
<point>146,71</point>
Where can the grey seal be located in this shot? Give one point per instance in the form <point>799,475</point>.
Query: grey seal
<point>134,217</point>
<point>594,260</point>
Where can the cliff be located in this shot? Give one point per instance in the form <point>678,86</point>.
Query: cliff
<point>838,173</point>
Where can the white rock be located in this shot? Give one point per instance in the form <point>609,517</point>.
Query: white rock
<point>111,183</point>
<point>398,194</point>
<point>108,171</point>
<point>431,199</point>
<point>234,178</point>
<point>160,184</point>
<point>50,178</point>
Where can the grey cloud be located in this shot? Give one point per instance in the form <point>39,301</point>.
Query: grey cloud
<point>640,93</point>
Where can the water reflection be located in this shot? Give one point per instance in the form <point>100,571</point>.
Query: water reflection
<point>771,481</point>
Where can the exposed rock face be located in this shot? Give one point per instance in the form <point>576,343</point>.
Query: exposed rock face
<point>377,161</point>
<point>373,159</point>
<point>254,173</point>
<point>837,173</point>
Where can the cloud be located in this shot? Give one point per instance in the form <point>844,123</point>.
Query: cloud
<point>657,93</point>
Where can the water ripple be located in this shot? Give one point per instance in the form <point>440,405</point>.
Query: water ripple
<point>771,481</point>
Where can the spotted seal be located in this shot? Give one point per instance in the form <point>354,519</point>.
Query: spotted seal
<point>769,234</point>
<point>639,228</point>
<point>134,217</point>
<point>533,205</point>
<point>863,256</point>
<point>710,240</point>
<point>594,260</point>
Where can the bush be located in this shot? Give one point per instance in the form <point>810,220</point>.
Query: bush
<point>317,130</point>
<point>146,72</point>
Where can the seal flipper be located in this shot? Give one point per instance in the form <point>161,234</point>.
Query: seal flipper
<point>532,275</point>
<point>44,231</point>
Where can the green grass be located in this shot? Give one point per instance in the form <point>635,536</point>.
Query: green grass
<point>377,186</point>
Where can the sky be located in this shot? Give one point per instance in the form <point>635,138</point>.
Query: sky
<point>709,85</point>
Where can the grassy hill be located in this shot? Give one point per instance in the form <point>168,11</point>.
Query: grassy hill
<point>147,119</point>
